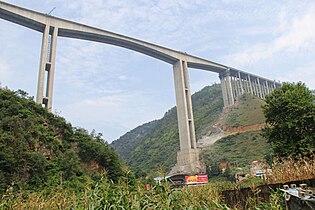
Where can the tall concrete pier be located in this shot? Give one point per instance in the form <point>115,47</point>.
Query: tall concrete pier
<point>234,82</point>
<point>188,156</point>
<point>47,67</point>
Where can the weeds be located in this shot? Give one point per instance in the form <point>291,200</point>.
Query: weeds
<point>289,169</point>
<point>122,195</point>
<point>107,195</point>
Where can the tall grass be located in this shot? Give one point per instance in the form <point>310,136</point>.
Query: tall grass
<point>108,195</point>
<point>292,169</point>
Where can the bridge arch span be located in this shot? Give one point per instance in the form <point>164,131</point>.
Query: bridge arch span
<point>38,22</point>
<point>233,82</point>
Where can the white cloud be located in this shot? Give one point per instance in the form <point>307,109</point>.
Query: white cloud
<point>296,35</point>
<point>304,73</point>
<point>300,35</point>
<point>122,77</point>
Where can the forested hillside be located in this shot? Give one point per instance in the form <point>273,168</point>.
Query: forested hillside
<point>39,149</point>
<point>153,146</point>
<point>238,150</point>
<point>133,138</point>
<point>243,141</point>
<point>157,142</point>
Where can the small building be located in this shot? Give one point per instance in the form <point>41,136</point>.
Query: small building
<point>260,169</point>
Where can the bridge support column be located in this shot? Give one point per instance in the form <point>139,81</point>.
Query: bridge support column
<point>250,85</point>
<point>188,157</point>
<point>247,85</point>
<point>229,87</point>
<point>267,86</point>
<point>236,88</point>
<point>255,88</point>
<point>224,90</point>
<point>264,87</point>
<point>241,83</point>
<point>272,86</point>
<point>260,92</point>
<point>47,67</point>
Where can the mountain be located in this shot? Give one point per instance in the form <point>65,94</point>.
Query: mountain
<point>133,138</point>
<point>154,145</point>
<point>239,149</point>
<point>241,142</point>
<point>230,133</point>
<point>39,149</point>
<point>245,114</point>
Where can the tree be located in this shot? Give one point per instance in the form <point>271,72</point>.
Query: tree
<point>290,120</point>
<point>39,149</point>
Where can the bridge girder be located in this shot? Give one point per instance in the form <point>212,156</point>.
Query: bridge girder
<point>234,82</point>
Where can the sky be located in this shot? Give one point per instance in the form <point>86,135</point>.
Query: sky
<point>114,90</point>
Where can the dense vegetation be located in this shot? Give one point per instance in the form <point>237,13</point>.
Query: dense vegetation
<point>106,195</point>
<point>290,118</point>
<point>157,143</point>
<point>153,146</point>
<point>39,149</point>
<point>243,142</point>
<point>238,150</point>
<point>132,139</point>
<point>247,111</point>
<point>123,195</point>
<point>221,195</point>
<point>45,163</point>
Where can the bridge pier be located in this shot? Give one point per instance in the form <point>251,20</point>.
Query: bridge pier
<point>47,67</point>
<point>236,83</point>
<point>224,90</point>
<point>188,157</point>
<point>241,83</point>
<point>268,87</point>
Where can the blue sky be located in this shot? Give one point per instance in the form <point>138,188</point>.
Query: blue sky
<point>113,90</point>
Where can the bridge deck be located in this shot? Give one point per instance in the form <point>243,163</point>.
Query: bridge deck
<point>37,21</point>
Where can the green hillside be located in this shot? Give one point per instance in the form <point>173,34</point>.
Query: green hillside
<point>243,142</point>
<point>157,147</point>
<point>132,139</point>
<point>39,149</point>
<point>247,111</point>
<point>240,149</point>
<point>153,146</point>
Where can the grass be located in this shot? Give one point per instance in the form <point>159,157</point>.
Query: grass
<point>241,148</point>
<point>107,195</point>
<point>247,111</point>
<point>292,169</point>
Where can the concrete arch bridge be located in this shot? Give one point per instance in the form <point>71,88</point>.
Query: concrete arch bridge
<point>234,82</point>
